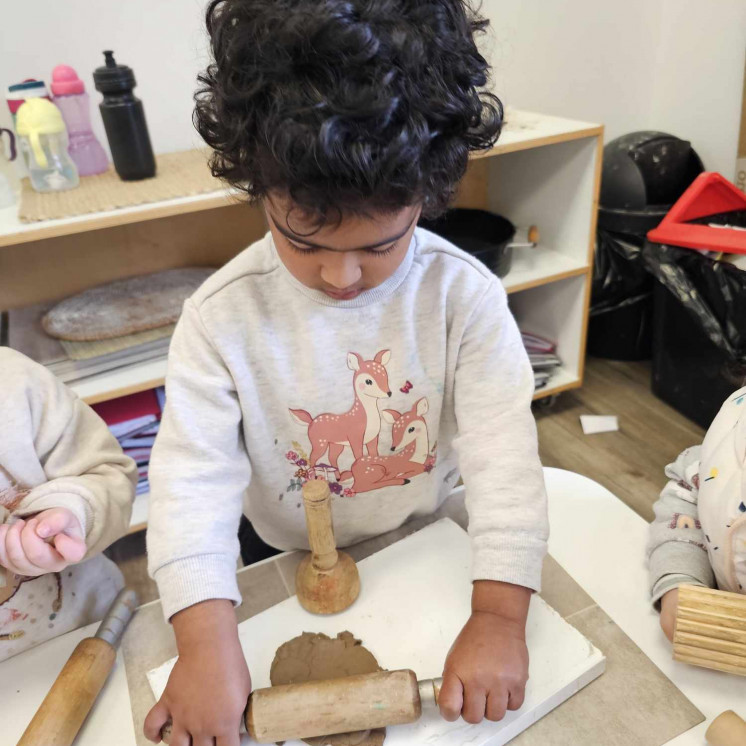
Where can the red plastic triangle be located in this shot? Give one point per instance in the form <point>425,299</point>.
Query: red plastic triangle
<point>709,194</point>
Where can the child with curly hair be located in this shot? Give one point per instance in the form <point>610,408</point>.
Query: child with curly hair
<point>347,120</point>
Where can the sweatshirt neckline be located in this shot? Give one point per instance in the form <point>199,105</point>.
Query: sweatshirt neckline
<point>367,297</point>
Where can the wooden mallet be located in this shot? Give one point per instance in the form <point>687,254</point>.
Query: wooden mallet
<point>66,706</point>
<point>710,629</point>
<point>347,705</point>
<point>327,581</point>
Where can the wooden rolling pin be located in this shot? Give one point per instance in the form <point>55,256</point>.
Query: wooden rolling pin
<point>710,629</point>
<point>727,730</point>
<point>325,708</point>
<point>66,706</point>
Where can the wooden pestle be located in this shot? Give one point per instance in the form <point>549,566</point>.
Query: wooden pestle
<point>324,708</point>
<point>710,629</point>
<point>727,730</point>
<point>327,581</point>
<point>66,706</point>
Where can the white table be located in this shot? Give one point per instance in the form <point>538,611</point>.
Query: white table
<point>595,537</point>
<point>601,543</point>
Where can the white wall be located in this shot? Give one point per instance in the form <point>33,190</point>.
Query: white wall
<point>162,40</point>
<point>699,81</point>
<point>672,65</point>
<point>675,65</point>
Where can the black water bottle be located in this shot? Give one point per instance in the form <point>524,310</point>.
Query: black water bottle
<point>124,121</point>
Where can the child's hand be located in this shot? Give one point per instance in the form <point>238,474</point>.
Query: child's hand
<point>47,542</point>
<point>209,687</point>
<point>669,606</point>
<point>486,671</point>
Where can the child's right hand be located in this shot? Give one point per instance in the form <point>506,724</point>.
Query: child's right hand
<point>669,605</point>
<point>46,542</point>
<point>209,687</point>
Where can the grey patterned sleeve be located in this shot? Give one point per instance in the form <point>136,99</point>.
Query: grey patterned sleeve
<point>676,545</point>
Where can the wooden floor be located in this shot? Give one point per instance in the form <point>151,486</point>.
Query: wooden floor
<point>630,463</point>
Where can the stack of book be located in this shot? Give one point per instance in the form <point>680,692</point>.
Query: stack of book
<point>134,422</point>
<point>543,357</point>
<point>72,362</point>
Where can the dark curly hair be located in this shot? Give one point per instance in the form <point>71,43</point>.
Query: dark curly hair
<point>346,105</point>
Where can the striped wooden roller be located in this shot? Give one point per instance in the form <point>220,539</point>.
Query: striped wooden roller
<point>711,629</point>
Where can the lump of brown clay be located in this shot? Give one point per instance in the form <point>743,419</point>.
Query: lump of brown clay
<point>314,657</point>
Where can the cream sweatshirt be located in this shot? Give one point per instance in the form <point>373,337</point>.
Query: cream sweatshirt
<point>56,452</point>
<point>389,396</point>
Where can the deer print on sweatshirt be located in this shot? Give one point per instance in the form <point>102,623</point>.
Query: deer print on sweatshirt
<point>360,426</point>
<point>411,442</point>
<point>358,431</point>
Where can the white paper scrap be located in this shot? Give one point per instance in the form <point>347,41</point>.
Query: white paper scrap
<point>593,424</point>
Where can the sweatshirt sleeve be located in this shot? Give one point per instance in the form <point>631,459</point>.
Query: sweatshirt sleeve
<point>676,544</point>
<point>497,447</point>
<point>86,470</point>
<point>198,474</point>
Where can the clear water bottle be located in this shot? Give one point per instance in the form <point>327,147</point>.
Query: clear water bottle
<point>42,139</point>
<point>72,100</point>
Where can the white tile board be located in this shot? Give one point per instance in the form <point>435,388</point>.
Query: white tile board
<point>415,598</point>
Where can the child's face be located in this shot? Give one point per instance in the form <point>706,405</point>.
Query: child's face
<point>341,259</point>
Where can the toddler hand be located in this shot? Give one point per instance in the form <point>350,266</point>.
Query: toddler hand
<point>486,671</point>
<point>46,542</point>
<point>669,606</point>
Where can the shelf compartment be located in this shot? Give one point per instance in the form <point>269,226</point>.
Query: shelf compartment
<point>539,266</point>
<point>121,382</point>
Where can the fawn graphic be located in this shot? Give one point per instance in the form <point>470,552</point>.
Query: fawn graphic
<point>410,436</point>
<point>360,426</point>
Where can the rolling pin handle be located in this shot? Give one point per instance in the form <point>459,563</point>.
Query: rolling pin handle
<point>429,691</point>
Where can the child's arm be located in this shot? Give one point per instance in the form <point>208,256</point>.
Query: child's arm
<point>198,474</point>
<point>497,447</point>
<point>486,671</point>
<point>89,487</point>
<point>199,471</point>
<point>676,545</point>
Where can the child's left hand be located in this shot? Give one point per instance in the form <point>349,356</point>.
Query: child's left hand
<point>487,668</point>
<point>46,542</point>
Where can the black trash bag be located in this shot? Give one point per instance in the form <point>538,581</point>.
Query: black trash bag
<point>619,274</point>
<point>643,174</point>
<point>621,299</point>
<point>713,292</point>
<point>699,334</point>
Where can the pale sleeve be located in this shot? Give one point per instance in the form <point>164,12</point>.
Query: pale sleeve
<point>676,542</point>
<point>497,447</point>
<point>199,472</point>
<point>86,470</point>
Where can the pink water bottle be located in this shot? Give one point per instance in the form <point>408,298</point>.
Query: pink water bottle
<point>72,100</point>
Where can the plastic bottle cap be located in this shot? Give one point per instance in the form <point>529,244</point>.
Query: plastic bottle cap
<point>113,78</point>
<point>39,115</point>
<point>35,117</point>
<point>65,81</point>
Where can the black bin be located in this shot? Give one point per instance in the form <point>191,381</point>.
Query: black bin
<point>699,330</point>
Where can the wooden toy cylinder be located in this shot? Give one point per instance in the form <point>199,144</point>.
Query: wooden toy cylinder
<point>727,730</point>
<point>710,629</point>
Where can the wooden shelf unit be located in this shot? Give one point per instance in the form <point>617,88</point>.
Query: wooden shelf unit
<point>544,171</point>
